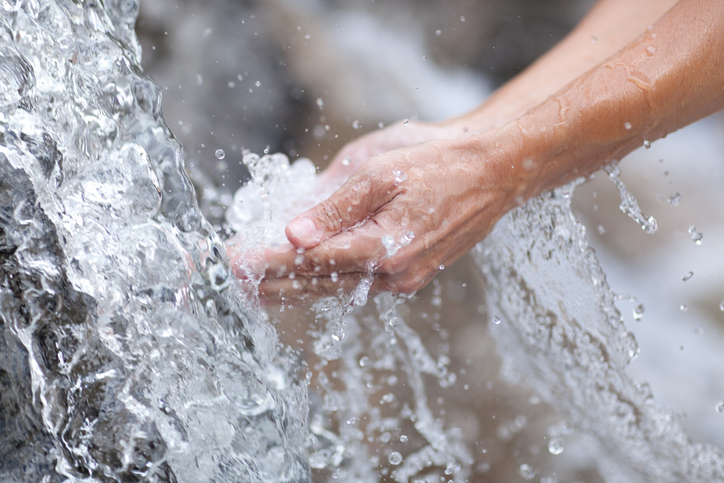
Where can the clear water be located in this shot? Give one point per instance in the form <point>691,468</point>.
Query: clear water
<point>128,352</point>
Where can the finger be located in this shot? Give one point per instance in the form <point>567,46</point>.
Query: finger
<point>313,288</point>
<point>355,250</point>
<point>308,288</point>
<point>360,196</point>
<point>247,263</point>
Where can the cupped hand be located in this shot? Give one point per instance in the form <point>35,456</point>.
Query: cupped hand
<point>401,216</point>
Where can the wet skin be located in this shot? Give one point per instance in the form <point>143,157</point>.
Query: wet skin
<point>450,182</point>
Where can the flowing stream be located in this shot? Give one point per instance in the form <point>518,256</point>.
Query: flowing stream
<point>129,353</point>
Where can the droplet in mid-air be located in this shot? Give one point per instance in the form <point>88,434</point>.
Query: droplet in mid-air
<point>638,312</point>
<point>526,471</point>
<point>719,407</point>
<point>395,458</point>
<point>556,446</point>
<point>220,154</point>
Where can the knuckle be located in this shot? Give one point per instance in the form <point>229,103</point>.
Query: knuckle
<point>331,216</point>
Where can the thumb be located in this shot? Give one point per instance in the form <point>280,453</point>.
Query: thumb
<point>359,198</point>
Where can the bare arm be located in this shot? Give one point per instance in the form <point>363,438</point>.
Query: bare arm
<point>454,190</point>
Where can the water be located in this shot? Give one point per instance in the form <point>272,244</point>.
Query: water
<point>128,353</point>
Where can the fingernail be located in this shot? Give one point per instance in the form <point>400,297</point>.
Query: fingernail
<point>304,231</point>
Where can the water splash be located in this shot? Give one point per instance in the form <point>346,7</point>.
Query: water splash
<point>563,333</point>
<point>126,352</point>
<point>629,205</point>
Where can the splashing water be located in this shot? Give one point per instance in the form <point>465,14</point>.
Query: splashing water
<point>128,353</point>
<point>564,335</point>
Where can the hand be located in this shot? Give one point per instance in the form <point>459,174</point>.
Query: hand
<point>402,216</point>
<point>399,135</point>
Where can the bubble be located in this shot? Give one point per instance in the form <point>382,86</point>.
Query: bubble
<point>257,83</point>
<point>601,229</point>
<point>526,471</point>
<point>683,308</point>
<point>403,438</point>
<point>496,320</point>
<point>719,407</point>
<point>687,276</point>
<point>441,267</point>
<point>220,154</point>
<point>356,124</point>
<point>320,103</point>
<point>556,446</point>
<point>627,125</point>
<point>395,458</point>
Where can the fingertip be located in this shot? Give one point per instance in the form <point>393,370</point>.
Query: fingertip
<point>303,233</point>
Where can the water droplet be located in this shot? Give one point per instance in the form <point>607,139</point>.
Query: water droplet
<point>355,124</point>
<point>462,18</point>
<point>441,267</point>
<point>719,407</point>
<point>675,198</point>
<point>400,176</point>
<point>683,308</point>
<point>406,122</point>
<point>594,39</point>
<point>647,143</point>
<point>721,306</point>
<point>257,83</point>
<point>438,32</point>
<point>220,154</point>
<point>403,438</point>
<point>556,446</point>
<point>526,471</point>
<point>496,320</point>
<point>638,312</point>
<point>231,84</point>
<point>363,361</point>
<point>601,230</point>
<point>298,260</point>
<point>687,276</point>
<point>627,125</point>
<point>334,276</point>
<point>395,458</point>
<point>320,103</point>
<point>650,51</point>
<point>381,125</point>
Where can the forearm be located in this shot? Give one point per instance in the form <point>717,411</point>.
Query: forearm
<point>606,29</point>
<point>670,76</point>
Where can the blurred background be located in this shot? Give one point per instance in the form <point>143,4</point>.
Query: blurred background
<point>304,77</point>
